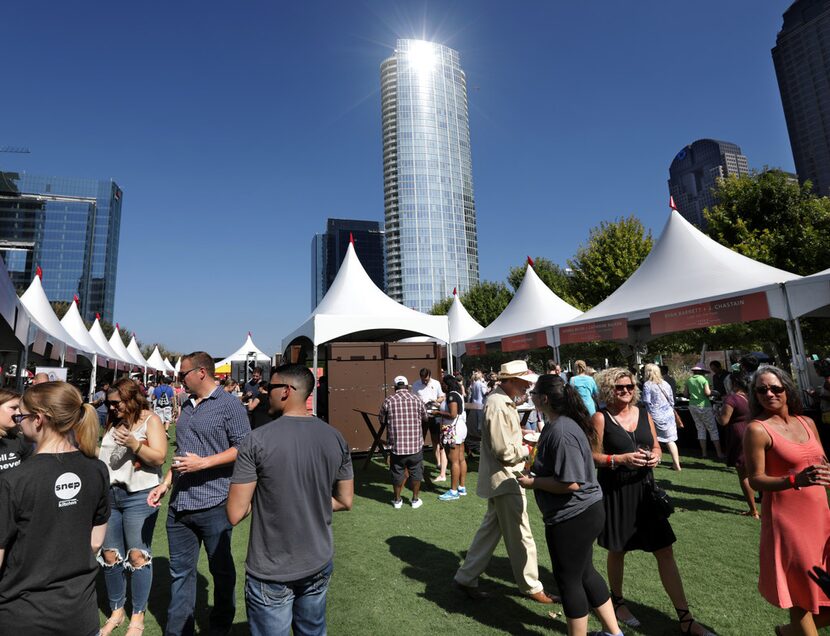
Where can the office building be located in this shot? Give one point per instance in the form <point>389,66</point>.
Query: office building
<point>328,251</point>
<point>802,65</point>
<point>694,173</point>
<point>430,215</point>
<point>70,229</point>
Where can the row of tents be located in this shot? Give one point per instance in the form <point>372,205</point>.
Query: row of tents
<point>687,281</point>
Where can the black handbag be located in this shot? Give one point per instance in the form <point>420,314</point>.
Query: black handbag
<point>660,500</point>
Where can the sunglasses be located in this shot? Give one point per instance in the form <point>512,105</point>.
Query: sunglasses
<point>17,418</point>
<point>183,374</point>
<point>776,389</point>
<point>112,402</point>
<point>271,387</point>
<point>624,387</point>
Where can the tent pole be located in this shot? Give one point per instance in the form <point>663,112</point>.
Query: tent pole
<point>449,358</point>
<point>93,378</point>
<point>314,393</point>
<point>796,346</point>
<point>24,360</point>
<point>63,356</point>
<point>799,339</point>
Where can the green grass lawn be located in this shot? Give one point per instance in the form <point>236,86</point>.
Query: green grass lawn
<point>393,568</point>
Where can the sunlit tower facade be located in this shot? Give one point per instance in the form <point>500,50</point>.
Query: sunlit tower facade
<point>430,216</point>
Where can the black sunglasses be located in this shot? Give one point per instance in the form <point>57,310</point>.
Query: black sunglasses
<point>19,417</point>
<point>776,389</point>
<point>624,387</point>
<point>271,387</point>
<point>183,374</point>
<point>112,402</point>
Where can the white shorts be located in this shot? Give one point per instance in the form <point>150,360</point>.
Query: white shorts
<point>460,431</point>
<point>165,413</point>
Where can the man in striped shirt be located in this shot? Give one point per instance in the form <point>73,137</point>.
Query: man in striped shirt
<point>404,415</point>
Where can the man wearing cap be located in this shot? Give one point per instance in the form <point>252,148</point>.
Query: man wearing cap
<point>404,414</point>
<point>502,461</point>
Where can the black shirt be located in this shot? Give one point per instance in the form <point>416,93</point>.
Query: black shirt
<point>48,507</point>
<point>13,450</point>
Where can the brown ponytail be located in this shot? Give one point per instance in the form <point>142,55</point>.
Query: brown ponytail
<point>64,410</point>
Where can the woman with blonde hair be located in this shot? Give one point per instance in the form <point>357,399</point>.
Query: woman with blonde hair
<point>133,448</point>
<point>586,386</point>
<point>625,451</point>
<point>13,448</point>
<point>659,401</point>
<point>53,516</point>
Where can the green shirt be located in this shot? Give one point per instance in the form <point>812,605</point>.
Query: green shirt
<point>696,386</point>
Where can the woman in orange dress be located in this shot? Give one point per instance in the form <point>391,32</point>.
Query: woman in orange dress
<point>785,459</point>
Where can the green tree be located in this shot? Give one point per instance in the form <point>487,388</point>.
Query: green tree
<point>484,301</point>
<point>769,217</point>
<point>549,272</point>
<point>614,250</point>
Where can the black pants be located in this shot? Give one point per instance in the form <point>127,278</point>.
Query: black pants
<point>571,547</point>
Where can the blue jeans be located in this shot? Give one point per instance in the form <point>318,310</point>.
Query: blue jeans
<point>186,531</point>
<point>130,527</point>
<point>274,608</point>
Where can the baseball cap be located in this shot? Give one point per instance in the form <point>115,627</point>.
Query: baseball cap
<point>401,380</point>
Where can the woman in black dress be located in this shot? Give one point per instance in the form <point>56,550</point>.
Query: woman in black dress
<point>625,452</point>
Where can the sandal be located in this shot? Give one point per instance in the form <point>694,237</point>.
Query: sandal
<point>618,602</point>
<point>687,622</point>
<point>115,622</point>
<point>136,626</point>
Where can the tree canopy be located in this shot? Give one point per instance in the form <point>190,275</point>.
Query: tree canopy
<point>484,302</point>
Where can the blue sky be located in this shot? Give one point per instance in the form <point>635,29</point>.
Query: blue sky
<point>236,129</point>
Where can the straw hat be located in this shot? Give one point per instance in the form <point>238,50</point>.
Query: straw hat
<point>517,369</point>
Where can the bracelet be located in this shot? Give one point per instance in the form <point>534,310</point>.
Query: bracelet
<point>609,460</point>
<point>791,479</point>
<point>613,462</point>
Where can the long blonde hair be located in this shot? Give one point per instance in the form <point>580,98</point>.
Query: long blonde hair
<point>64,411</point>
<point>651,373</point>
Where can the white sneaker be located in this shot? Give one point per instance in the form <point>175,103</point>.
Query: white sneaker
<point>417,503</point>
<point>397,504</point>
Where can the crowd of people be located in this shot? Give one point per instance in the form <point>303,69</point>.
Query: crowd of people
<point>81,485</point>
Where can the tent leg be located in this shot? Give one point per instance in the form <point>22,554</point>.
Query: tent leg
<point>93,378</point>
<point>314,393</point>
<point>799,340</point>
<point>449,358</point>
<point>795,354</point>
<point>22,363</point>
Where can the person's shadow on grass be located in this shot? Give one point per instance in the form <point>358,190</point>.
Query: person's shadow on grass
<point>435,568</point>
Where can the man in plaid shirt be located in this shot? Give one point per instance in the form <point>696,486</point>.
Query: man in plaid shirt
<point>404,415</point>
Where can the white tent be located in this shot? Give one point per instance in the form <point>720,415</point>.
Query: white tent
<point>135,352</point>
<point>75,327</point>
<point>118,346</point>
<point>98,337</point>
<point>156,361</point>
<point>532,309</point>
<point>178,366</point>
<point>461,324</point>
<point>170,368</point>
<point>810,295</point>
<point>40,312</point>
<point>241,354</point>
<point>355,307</point>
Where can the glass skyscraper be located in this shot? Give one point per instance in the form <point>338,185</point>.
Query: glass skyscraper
<point>431,239</point>
<point>70,229</point>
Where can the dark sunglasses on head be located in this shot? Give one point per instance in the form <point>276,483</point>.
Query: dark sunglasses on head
<point>271,387</point>
<point>776,389</point>
<point>624,387</point>
<point>19,417</point>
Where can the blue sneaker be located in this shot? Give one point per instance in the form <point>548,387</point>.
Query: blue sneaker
<point>450,495</point>
<point>462,491</point>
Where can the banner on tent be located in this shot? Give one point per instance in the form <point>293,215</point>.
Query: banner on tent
<point>525,341</point>
<point>476,348</point>
<point>592,331</point>
<point>39,344</point>
<point>723,311</point>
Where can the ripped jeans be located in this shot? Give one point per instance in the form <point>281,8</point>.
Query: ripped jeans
<point>129,534</point>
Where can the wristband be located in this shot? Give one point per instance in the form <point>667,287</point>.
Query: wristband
<point>609,460</point>
<point>791,479</point>
<point>613,462</point>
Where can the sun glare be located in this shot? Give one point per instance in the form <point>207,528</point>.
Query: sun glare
<point>421,56</point>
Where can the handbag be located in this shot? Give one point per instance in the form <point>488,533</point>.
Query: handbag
<point>677,421</point>
<point>660,500</point>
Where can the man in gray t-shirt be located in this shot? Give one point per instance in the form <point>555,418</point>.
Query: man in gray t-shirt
<point>290,475</point>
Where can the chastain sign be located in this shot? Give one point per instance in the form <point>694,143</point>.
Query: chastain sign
<point>593,331</point>
<point>709,314</point>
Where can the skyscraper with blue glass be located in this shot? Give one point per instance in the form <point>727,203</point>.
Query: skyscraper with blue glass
<point>70,229</point>
<point>431,238</point>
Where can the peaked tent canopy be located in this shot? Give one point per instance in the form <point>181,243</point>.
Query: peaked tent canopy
<point>40,312</point>
<point>156,361</point>
<point>118,346</point>
<point>355,309</point>
<point>534,307</point>
<point>241,354</point>
<point>810,295</point>
<point>684,267</point>
<point>135,352</point>
<point>462,325</point>
<point>170,368</point>
<point>98,337</point>
<point>75,327</point>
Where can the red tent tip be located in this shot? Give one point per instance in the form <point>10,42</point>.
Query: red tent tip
<point>671,203</point>
<point>39,272</point>
<point>97,316</point>
<point>530,261</point>
<point>76,299</point>
<point>455,291</point>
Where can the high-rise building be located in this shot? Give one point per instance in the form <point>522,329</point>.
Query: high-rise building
<point>328,251</point>
<point>70,229</point>
<point>802,65</point>
<point>430,214</point>
<point>694,173</point>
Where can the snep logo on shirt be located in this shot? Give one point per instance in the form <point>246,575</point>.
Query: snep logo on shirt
<point>67,487</point>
